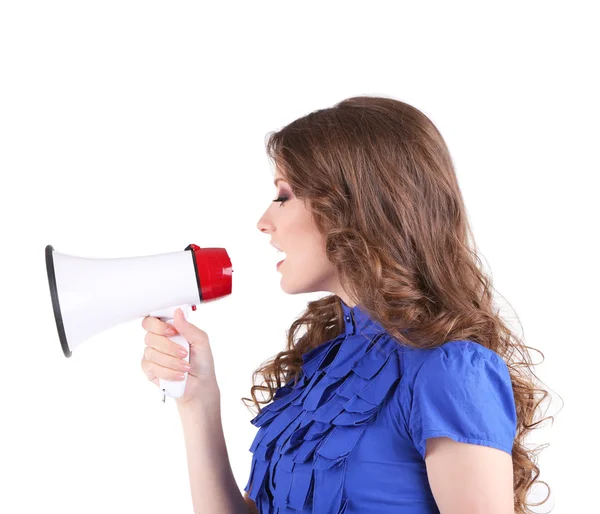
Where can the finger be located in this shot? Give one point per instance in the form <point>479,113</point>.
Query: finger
<point>152,324</point>
<point>167,361</point>
<point>152,369</point>
<point>164,344</point>
<point>151,376</point>
<point>153,379</point>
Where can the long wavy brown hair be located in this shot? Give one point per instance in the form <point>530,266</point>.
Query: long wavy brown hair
<point>379,181</point>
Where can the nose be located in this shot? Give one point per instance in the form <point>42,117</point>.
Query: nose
<point>264,224</point>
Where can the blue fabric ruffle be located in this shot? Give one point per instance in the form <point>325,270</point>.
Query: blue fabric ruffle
<point>312,425</point>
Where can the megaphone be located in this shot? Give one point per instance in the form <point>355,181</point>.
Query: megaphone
<point>92,295</point>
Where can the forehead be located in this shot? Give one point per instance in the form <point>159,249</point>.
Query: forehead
<point>278,177</point>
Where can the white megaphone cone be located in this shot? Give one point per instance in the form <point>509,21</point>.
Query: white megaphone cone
<point>92,295</point>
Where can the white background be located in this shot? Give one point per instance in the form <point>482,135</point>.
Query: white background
<point>136,128</point>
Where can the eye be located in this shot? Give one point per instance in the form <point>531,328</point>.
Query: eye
<point>281,199</point>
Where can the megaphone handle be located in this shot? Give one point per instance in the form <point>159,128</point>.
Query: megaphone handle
<point>175,388</point>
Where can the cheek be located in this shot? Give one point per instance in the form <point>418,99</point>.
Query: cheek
<point>304,242</point>
<point>310,258</point>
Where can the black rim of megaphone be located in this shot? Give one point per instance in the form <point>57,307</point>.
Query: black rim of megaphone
<point>55,303</point>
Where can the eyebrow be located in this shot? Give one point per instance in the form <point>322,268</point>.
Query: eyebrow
<point>277,180</point>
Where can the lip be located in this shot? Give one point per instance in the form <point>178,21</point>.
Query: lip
<point>280,263</point>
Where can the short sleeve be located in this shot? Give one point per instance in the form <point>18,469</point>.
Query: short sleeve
<point>463,391</point>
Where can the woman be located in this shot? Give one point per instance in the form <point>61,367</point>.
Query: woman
<point>400,397</point>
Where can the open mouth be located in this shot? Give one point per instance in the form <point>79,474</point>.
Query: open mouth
<point>281,261</point>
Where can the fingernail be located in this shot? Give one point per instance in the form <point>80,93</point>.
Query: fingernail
<point>170,331</point>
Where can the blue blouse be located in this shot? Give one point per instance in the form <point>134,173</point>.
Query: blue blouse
<point>349,436</point>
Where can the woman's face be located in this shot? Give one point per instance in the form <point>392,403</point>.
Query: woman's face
<point>289,223</point>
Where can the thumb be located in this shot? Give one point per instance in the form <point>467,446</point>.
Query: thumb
<point>189,331</point>
<point>179,322</point>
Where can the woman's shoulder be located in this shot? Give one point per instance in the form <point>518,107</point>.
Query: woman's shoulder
<point>456,354</point>
<point>460,390</point>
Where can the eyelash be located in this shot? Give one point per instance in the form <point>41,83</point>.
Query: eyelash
<point>281,199</point>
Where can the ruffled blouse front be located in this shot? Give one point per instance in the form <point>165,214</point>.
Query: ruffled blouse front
<point>349,435</point>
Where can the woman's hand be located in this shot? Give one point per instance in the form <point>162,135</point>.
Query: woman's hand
<point>162,360</point>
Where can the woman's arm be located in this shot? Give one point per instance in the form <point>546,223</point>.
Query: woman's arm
<point>252,508</point>
<point>212,482</point>
<point>469,478</point>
